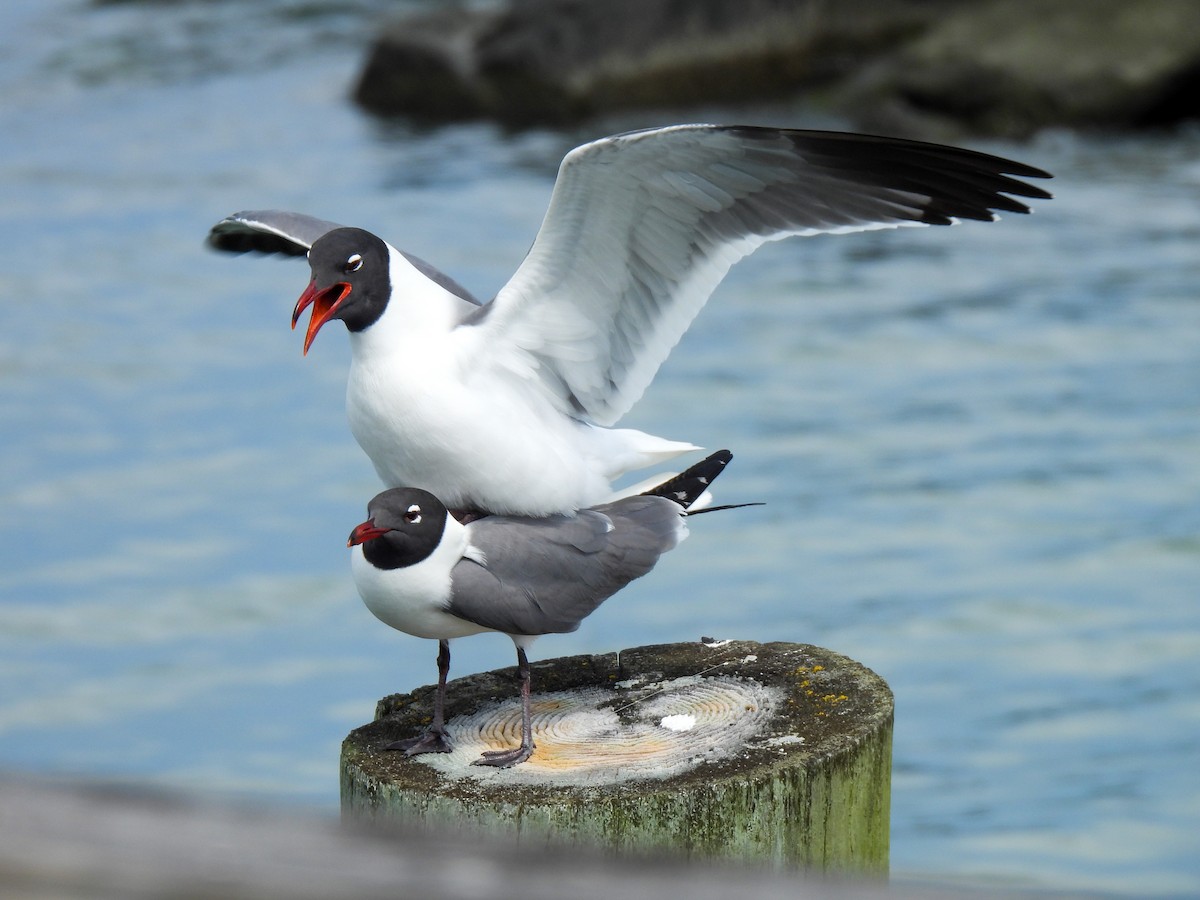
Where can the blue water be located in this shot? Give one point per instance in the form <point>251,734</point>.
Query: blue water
<point>980,447</point>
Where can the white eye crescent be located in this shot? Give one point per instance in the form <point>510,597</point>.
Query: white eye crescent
<point>353,263</point>
<point>413,515</point>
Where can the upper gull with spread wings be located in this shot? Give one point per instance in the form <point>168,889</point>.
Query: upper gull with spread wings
<point>506,407</point>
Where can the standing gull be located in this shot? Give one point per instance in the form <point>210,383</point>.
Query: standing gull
<point>507,407</point>
<point>422,572</point>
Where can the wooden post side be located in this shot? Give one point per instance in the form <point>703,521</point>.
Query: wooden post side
<point>777,753</point>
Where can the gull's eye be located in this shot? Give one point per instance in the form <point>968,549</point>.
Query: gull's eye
<point>413,515</point>
<point>352,264</point>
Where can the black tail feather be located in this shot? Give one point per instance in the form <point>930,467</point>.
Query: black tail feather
<point>686,487</point>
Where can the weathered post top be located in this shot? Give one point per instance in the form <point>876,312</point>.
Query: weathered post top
<point>719,749</point>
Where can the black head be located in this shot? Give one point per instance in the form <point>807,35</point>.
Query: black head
<point>350,281</point>
<point>405,526</point>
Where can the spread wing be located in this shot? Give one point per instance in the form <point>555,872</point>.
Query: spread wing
<point>642,227</point>
<point>542,576</point>
<point>293,234</point>
<point>268,231</point>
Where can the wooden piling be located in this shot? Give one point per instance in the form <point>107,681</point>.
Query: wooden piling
<point>770,753</point>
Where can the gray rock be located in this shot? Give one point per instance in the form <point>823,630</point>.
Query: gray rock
<point>1009,69</point>
<point>908,66</point>
<point>558,60</point>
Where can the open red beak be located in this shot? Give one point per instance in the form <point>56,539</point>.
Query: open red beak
<point>324,304</point>
<point>367,531</point>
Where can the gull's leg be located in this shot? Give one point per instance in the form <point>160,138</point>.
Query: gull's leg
<point>434,740</point>
<point>504,758</point>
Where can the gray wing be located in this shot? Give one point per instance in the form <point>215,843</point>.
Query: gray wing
<point>641,228</point>
<point>293,234</point>
<point>543,576</point>
<point>268,231</point>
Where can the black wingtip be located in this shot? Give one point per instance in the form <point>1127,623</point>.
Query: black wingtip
<point>686,487</point>
<point>960,183</point>
<point>231,237</point>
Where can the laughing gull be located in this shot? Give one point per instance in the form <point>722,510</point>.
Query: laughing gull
<point>505,407</point>
<point>422,572</point>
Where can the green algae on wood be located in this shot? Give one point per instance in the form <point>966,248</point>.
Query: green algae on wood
<point>777,753</point>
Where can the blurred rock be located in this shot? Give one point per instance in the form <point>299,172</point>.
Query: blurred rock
<point>1010,69</point>
<point>558,60</point>
<point>900,65</point>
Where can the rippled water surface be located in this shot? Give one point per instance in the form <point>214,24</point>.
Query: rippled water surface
<point>980,448</point>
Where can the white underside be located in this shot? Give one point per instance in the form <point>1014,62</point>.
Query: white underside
<point>471,452</point>
<point>491,443</point>
<point>413,599</point>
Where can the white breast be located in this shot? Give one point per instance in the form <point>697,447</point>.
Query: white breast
<point>429,415</point>
<point>427,420</point>
<point>413,599</point>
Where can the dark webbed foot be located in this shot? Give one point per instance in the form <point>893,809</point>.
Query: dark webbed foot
<point>430,742</point>
<point>435,739</point>
<point>504,759</point>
